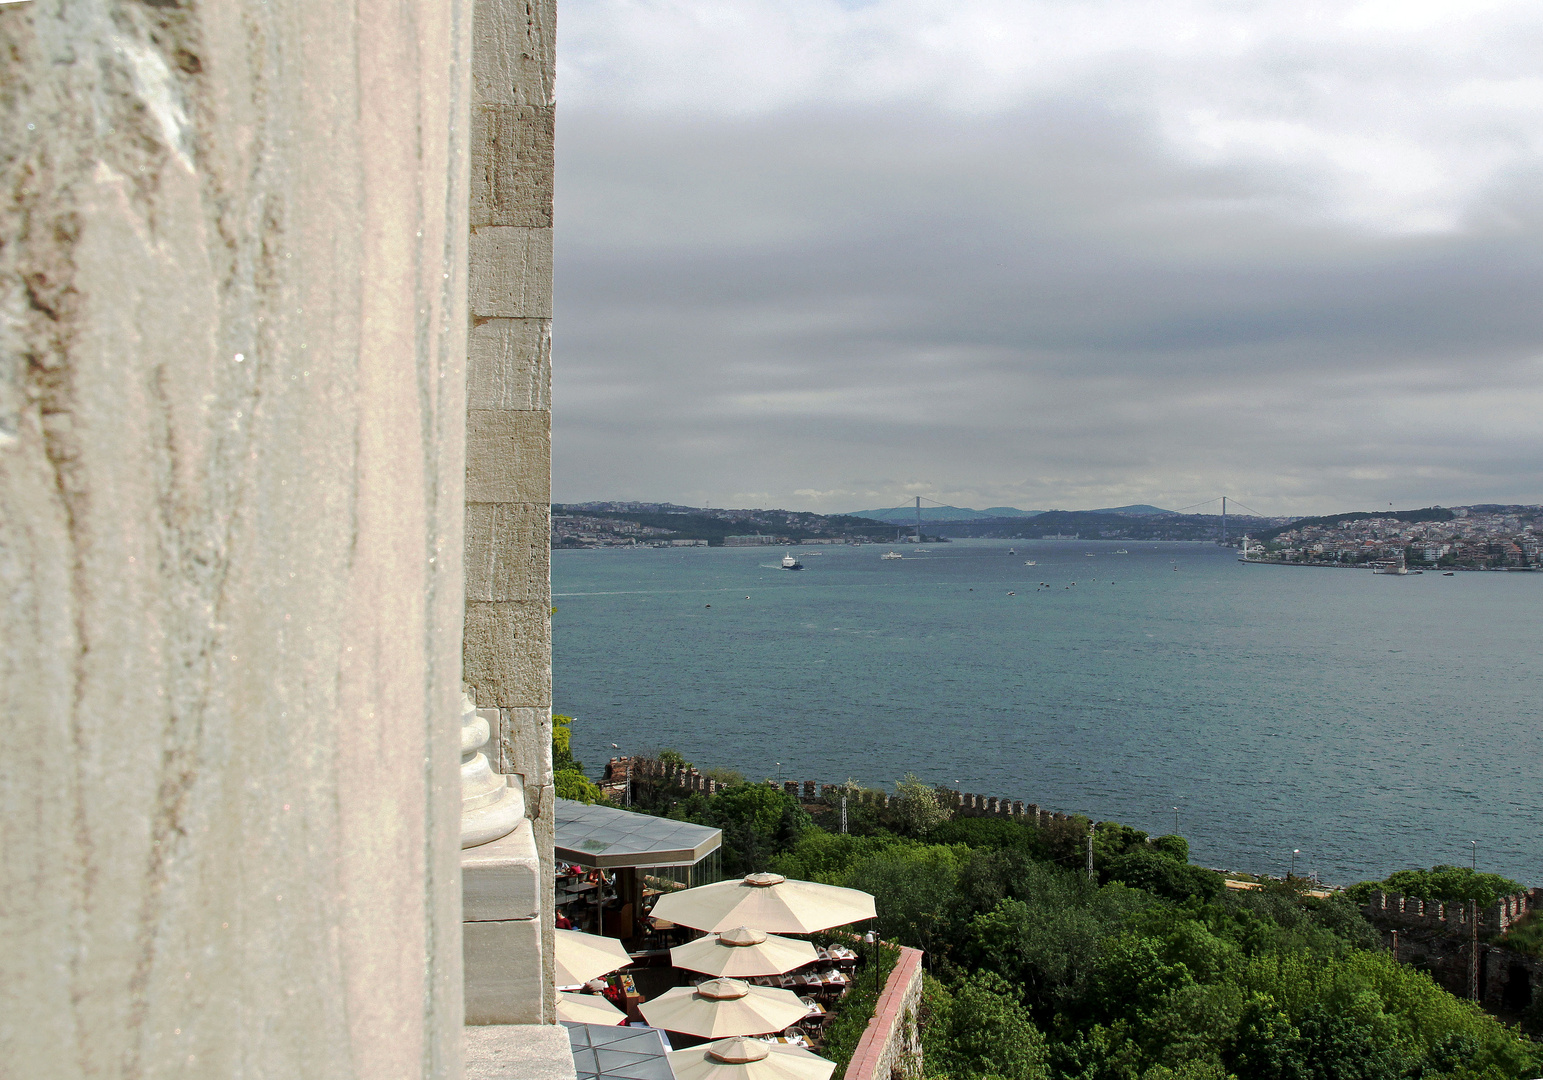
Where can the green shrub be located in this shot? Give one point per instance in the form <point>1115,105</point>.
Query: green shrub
<point>572,784</point>
<point>1526,937</point>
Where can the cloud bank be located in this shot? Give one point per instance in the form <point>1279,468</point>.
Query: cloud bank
<point>827,255</point>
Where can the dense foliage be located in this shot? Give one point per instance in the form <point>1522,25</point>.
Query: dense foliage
<point>1150,970</point>
<point>1445,883</point>
<point>568,779</point>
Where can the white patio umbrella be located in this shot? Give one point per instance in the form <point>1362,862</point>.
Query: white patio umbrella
<point>587,1009</point>
<point>581,957</point>
<point>768,901</point>
<point>723,1007</point>
<point>742,953</point>
<point>747,1059</point>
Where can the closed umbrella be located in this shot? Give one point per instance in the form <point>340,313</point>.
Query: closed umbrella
<point>743,953</point>
<point>768,901</point>
<point>581,957</point>
<point>723,1007</point>
<point>587,1009</point>
<point>747,1059</point>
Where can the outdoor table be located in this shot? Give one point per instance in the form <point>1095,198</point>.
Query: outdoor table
<point>786,1039</point>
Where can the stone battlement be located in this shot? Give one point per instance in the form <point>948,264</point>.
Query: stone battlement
<point>1395,909</point>
<point>618,771</point>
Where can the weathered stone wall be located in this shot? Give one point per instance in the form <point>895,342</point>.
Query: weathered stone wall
<point>232,329</point>
<point>891,1046</point>
<point>508,662</point>
<point>619,770</point>
<point>1394,910</point>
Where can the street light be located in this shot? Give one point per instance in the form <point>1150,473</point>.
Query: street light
<point>872,938</point>
<point>1473,855</point>
<point>1293,871</point>
<point>1175,821</point>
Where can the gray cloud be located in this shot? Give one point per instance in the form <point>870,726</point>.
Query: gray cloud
<point>1047,302</point>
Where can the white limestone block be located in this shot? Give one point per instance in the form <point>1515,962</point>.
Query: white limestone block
<point>518,1052</point>
<point>504,971</point>
<point>509,364</point>
<point>502,880</point>
<point>511,273</point>
<point>508,552</point>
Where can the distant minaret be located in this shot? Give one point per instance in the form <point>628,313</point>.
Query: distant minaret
<point>918,519</point>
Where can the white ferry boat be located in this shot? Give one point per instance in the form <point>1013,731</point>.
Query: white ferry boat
<point>891,555</point>
<point>790,563</point>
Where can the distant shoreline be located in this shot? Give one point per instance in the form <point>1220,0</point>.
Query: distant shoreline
<point>1364,566</point>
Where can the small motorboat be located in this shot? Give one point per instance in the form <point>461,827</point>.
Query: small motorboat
<point>1030,562</point>
<point>1447,574</point>
<point>1010,551</point>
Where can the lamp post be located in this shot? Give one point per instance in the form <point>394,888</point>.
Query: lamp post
<point>1293,871</point>
<point>1175,821</point>
<point>872,938</point>
<point>1473,855</point>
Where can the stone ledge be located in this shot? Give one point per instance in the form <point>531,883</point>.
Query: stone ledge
<point>504,970</point>
<point>502,880</point>
<point>518,1052</point>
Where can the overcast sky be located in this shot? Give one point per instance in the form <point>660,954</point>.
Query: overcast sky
<point>1049,253</point>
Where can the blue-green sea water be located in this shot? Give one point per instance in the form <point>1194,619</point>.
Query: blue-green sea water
<point>1369,722</point>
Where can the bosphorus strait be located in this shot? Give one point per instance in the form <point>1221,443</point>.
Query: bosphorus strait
<point>1370,723</point>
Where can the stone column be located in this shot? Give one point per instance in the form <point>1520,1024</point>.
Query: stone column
<point>507,653</point>
<point>232,295</point>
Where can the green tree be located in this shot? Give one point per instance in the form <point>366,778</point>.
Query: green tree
<point>562,746</point>
<point>828,857</point>
<point>1162,875</point>
<point>917,807</point>
<point>1175,847</point>
<point>980,1032</point>
<point>757,820</point>
<point>672,759</point>
<point>572,784</point>
<point>913,890</point>
<point>1047,941</point>
<point>1445,883</point>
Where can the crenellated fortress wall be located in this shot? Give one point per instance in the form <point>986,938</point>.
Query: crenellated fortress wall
<point>619,770</point>
<point>1395,911</point>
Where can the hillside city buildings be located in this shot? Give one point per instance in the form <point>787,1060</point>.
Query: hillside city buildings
<point>1470,539</point>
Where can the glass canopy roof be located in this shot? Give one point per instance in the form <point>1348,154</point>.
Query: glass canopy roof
<point>605,837</point>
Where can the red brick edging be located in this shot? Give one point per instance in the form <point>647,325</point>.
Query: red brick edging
<point>874,1056</point>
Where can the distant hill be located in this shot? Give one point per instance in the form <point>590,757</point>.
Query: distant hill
<point>1136,510</point>
<point>655,521</point>
<point>1429,513</point>
<point>900,515</point>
